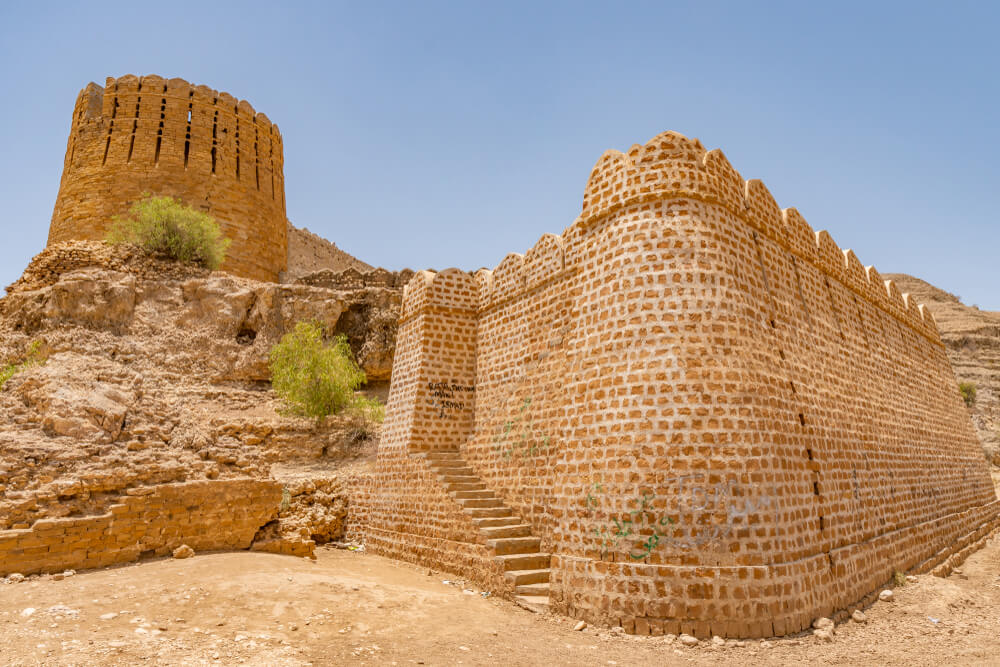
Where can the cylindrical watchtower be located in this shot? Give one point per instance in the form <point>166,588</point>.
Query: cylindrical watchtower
<point>169,137</point>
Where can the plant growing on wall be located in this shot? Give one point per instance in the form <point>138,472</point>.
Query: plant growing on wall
<point>968,390</point>
<point>165,226</point>
<point>317,378</point>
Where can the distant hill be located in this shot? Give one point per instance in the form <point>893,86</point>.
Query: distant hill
<point>972,337</point>
<point>308,253</point>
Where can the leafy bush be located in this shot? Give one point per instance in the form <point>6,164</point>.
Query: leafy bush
<point>968,390</point>
<point>33,357</point>
<point>165,226</point>
<point>316,378</point>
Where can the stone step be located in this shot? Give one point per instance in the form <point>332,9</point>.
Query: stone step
<point>460,479</point>
<point>466,495</point>
<point>443,454</point>
<point>525,561</point>
<point>465,486</point>
<point>496,532</point>
<point>451,468</point>
<point>494,512</point>
<point>493,522</point>
<point>540,589</point>
<point>515,545</point>
<point>479,502</point>
<point>525,577</point>
<point>536,603</point>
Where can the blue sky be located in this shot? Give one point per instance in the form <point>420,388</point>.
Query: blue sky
<point>436,134</point>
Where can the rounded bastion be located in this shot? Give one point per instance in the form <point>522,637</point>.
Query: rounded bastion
<point>168,137</point>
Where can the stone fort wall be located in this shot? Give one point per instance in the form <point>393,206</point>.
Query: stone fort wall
<point>169,137</point>
<point>717,420</point>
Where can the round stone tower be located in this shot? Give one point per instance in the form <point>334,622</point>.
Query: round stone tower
<point>169,137</point>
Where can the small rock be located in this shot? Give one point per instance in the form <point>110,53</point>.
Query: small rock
<point>27,611</point>
<point>68,573</point>
<point>183,551</point>
<point>823,623</point>
<point>293,627</point>
<point>15,577</point>
<point>765,644</point>
<point>580,626</point>
<point>823,635</point>
<point>741,643</point>
<point>58,576</point>
<point>718,641</point>
<point>910,579</point>
<point>858,616</point>
<point>108,616</point>
<point>688,640</point>
<point>885,596</point>
<point>669,638</point>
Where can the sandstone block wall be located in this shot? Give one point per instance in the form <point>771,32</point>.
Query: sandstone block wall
<point>169,137</point>
<point>717,420</point>
<point>206,515</point>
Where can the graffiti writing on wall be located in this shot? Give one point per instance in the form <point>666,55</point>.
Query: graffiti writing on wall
<point>520,436</point>
<point>447,397</point>
<point>712,511</point>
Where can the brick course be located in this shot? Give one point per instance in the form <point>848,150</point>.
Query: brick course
<point>169,137</point>
<point>205,515</point>
<point>717,421</point>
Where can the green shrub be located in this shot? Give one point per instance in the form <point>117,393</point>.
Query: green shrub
<point>33,357</point>
<point>968,390</point>
<point>165,226</point>
<point>316,378</point>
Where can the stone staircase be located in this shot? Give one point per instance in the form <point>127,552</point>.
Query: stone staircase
<point>526,569</point>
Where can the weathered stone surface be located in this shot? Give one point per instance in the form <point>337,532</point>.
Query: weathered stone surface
<point>714,419</point>
<point>972,339</point>
<point>148,135</point>
<point>148,415</point>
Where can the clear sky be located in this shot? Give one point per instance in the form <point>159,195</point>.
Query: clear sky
<point>436,134</point>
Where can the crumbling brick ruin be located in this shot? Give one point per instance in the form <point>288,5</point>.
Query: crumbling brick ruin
<point>688,413</point>
<point>169,137</point>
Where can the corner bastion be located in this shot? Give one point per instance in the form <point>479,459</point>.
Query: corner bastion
<point>169,137</point>
<point>688,413</point>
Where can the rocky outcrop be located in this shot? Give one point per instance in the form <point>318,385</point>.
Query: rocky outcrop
<point>155,375</point>
<point>972,338</point>
<point>226,322</point>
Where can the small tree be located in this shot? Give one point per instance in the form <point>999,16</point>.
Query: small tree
<point>166,226</point>
<point>316,378</point>
<point>968,390</point>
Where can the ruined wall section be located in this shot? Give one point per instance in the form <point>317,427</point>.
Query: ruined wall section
<point>205,515</point>
<point>169,137</point>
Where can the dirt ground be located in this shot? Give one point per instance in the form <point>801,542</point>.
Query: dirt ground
<point>354,608</point>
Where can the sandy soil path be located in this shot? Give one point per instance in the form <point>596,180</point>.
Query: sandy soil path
<point>353,608</point>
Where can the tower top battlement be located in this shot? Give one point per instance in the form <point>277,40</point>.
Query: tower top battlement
<point>139,135</point>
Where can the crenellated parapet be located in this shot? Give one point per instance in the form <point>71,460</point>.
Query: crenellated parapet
<point>148,134</point>
<point>671,166</point>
